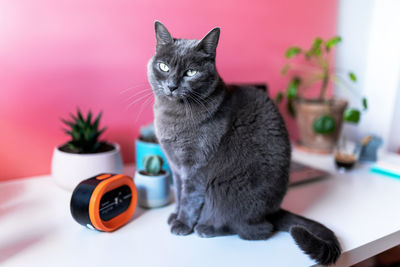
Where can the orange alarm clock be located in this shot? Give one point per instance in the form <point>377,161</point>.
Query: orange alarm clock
<point>104,202</point>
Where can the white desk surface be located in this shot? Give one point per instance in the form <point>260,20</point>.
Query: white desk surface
<point>36,228</point>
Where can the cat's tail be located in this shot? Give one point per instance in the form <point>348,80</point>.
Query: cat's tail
<point>313,238</point>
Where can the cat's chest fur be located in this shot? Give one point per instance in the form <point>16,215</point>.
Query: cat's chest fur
<point>187,143</point>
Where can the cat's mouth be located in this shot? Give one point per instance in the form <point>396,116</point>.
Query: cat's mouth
<point>173,95</point>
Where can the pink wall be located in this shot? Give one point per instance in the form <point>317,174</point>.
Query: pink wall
<point>59,55</point>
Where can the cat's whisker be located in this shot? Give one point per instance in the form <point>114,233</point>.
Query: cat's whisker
<point>199,102</point>
<point>202,97</point>
<point>132,87</point>
<point>138,93</point>
<point>202,100</point>
<point>184,104</point>
<point>138,99</point>
<point>191,114</point>
<point>186,110</point>
<point>143,107</point>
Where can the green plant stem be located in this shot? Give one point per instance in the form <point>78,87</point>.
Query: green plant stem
<point>314,68</point>
<point>341,81</point>
<point>340,85</point>
<point>325,79</point>
<point>324,86</point>
<point>313,79</point>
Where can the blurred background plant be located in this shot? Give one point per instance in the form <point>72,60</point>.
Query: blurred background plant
<point>318,69</point>
<point>147,134</point>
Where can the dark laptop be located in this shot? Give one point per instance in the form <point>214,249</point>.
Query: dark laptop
<point>303,174</point>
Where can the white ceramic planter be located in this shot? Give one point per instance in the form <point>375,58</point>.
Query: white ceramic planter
<point>153,191</point>
<point>69,169</point>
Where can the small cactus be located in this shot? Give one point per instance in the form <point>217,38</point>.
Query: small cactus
<point>152,164</point>
<point>147,133</point>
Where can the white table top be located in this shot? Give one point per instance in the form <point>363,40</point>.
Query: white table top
<point>36,228</point>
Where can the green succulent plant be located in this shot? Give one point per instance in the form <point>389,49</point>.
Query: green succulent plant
<point>147,133</point>
<point>317,70</point>
<point>84,132</point>
<point>153,164</point>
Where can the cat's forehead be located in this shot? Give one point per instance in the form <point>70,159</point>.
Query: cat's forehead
<point>179,48</point>
<point>184,46</point>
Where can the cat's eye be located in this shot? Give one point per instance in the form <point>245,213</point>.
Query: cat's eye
<point>163,67</point>
<point>191,73</point>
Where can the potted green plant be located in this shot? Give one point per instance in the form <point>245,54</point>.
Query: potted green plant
<point>319,119</point>
<point>147,144</point>
<point>152,183</point>
<point>84,155</point>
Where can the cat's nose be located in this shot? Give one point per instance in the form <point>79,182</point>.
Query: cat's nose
<point>172,87</point>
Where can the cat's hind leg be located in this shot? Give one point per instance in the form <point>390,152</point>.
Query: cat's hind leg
<point>255,231</point>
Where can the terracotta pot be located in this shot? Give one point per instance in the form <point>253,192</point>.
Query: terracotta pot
<point>307,112</point>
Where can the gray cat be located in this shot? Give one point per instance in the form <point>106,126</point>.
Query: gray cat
<point>228,149</point>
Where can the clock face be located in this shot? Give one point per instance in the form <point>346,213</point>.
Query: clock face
<point>115,202</point>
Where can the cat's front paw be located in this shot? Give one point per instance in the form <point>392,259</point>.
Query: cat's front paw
<point>205,230</point>
<point>179,228</point>
<point>172,218</point>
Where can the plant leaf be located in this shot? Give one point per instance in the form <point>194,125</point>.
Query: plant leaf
<point>293,87</point>
<point>352,115</point>
<point>95,147</point>
<point>285,69</point>
<point>69,123</point>
<point>75,134</point>
<point>84,132</point>
<point>97,120</point>
<point>73,147</point>
<point>352,76</point>
<point>80,123</point>
<point>332,42</point>
<point>101,131</point>
<point>365,103</point>
<point>74,118</point>
<point>80,115</point>
<point>290,107</point>
<point>292,91</point>
<point>89,118</point>
<point>292,51</point>
<point>68,132</point>
<point>278,97</point>
<point>324,124</point>
<point>317,43</point>
<point>316,47</point>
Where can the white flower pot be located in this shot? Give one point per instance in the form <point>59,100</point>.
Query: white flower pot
<point>69,169</point>
<point>153,191</point>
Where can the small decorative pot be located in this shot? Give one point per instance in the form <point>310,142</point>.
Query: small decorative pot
<point>69,169</point>
<point>147,148</point>
<point>307,112</point>
<point>153,191</point>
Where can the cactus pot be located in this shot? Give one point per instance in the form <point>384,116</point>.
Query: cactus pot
<point>144,148</point>
<point>69,169</point>
<point>153,191</point>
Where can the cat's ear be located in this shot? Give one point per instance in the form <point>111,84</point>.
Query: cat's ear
<point>210,41</point>
<point>162,35</point>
